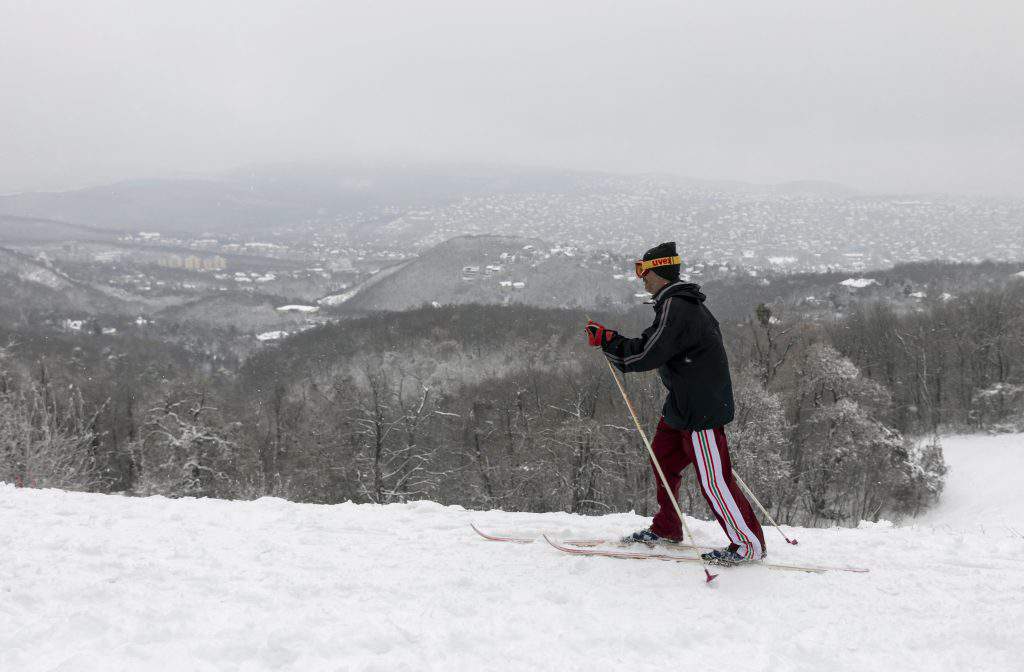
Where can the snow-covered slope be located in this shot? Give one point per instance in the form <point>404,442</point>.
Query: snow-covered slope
<point>90,582</point>
<point>985,484</point>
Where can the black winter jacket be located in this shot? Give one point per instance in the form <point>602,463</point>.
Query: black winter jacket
<point>685,345</point>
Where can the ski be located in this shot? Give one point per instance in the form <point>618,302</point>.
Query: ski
<point>586,543</point>
<point>635,555</point>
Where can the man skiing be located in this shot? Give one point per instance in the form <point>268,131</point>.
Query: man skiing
<point>685,345</point>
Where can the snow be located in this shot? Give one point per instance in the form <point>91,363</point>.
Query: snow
<point>983,484</point>
<point>297,309</point>
<point>96,583</point>
<point>42,276</point>
<point>858,283</point>
<point>271,335</point>
<point>337,299</point>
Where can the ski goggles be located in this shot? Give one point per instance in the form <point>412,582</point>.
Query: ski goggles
<point>644,267</point>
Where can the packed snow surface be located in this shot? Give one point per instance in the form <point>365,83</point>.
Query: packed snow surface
<point>983,487</point>
<point>93,582</point>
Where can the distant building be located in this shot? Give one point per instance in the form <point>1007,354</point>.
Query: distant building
<point>341,264</point>
<point>108,256</point>
<point>193,262</point>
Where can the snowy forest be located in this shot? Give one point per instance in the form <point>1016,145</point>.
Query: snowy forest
<point>506,407</point>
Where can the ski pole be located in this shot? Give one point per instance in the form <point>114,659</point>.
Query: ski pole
<point>750,493</point>
<point>657,465</point>
<point>650,451</point>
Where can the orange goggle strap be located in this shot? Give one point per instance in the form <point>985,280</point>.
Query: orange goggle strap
<point>643,266</point>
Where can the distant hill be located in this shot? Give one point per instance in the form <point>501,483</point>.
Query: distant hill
<point>445,275</point>
<point>31,285</point>
<point>265,197</point>
<point>15,229</point>
<point>363,212</point>
<point>905,287</point>
<point>812,188</point>
<point>243,311</point>
<point>275,196</point>
<point>500,269</point>
<point>172,206</point>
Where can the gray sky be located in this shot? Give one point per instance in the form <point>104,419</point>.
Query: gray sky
<point>887,95</point>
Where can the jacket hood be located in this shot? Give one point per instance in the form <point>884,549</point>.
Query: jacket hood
<point>686,290</point>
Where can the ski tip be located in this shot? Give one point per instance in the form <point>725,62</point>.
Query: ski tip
<point>709,577</point>
<point>792,541</point>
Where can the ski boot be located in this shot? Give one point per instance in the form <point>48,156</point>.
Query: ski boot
<point>647,537</point>
<point>726,557</point>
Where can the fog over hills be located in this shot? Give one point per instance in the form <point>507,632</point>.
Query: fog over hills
<point>173,206</point>
<point>323,213</point>
<point>259,198</point>
<point>229,251</point>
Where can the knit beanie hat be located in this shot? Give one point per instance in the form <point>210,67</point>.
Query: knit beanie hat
<point>669,271</point>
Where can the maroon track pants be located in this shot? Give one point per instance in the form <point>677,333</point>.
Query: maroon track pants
<point>708,451</point>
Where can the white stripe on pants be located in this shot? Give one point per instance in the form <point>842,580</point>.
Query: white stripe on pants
<point>749,546</point>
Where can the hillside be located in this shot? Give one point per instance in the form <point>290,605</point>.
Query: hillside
<point>33,286</point>
<point>499,270</point>
<point>275,196</point>
<point>14,229</point>
<point>95,582</point>
<point>238,310</point>
<point>375,211</point>
<point>566,278</point>
<point>193,206</point>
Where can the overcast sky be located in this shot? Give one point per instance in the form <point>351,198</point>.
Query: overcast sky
<point>880,95</point>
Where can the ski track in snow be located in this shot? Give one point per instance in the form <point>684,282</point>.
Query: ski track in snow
<point>92,582</point>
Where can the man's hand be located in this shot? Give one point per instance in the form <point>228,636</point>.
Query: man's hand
<point>597,334</point>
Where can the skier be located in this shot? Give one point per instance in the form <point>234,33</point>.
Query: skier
<point>685,345</point>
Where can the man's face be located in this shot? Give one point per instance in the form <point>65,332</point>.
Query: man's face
<point>653,282</point>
